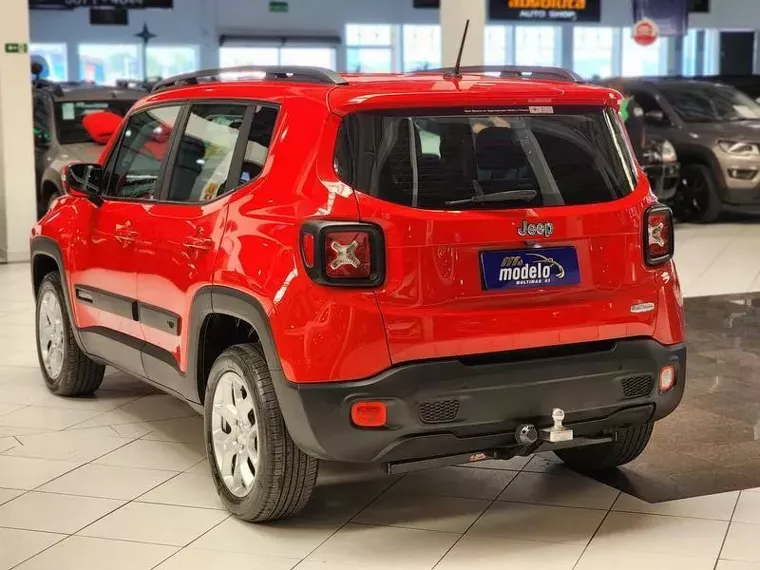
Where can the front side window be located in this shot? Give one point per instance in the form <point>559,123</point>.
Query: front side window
<point>69,115</point>
<point>710,103</point>
<point>512,159</point>
<point>142,150</point>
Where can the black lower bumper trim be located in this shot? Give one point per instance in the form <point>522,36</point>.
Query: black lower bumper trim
<point>492,399</point>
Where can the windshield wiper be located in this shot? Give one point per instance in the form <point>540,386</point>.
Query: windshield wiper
<point>508,196</point>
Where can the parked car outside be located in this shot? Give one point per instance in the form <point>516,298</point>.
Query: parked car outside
<point>60,138</point>
<point>715,130</point>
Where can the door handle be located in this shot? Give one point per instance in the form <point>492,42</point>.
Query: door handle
<point>198,243</point>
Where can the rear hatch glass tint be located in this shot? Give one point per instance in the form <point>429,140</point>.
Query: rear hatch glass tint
<point>487,158</point>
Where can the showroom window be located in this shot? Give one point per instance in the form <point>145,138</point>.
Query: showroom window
<point>499,42</point>
<point>644,60</point>
<point>322,56</point>
<point>704,62</point>
<point>536,45</point>
<point>107,63</point>
<point>314,56</point>
<point>593,51</point>
<point>422,47</point>
<point>234,56</point>
<point>165,61</point>
<point>369,48</point>
<point>53,59</point>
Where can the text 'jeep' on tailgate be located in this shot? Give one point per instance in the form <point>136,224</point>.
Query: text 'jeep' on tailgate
<point>410,270</point>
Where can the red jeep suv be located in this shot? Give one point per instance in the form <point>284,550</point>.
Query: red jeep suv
<point>410,270</point>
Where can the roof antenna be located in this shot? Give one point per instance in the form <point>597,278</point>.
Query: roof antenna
<point>457,74</point>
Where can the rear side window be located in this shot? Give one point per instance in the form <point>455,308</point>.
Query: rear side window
<point>205,152</point>
<point>519,157</point>
<point>210,144</point>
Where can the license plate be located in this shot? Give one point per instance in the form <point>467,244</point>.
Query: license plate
<point>530,268</point>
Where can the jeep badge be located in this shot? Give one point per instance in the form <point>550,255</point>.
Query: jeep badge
<point>541,229</point>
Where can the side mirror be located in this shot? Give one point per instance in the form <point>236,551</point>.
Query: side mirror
<point>656,118</point>
<point>85,179</point>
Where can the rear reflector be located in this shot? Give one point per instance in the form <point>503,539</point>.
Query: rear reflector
<point>658,235</point>
<point>307,248</point>
<point>667,378</point>
<point>369,414</point>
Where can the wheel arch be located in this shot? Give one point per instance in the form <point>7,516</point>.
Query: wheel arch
<point>46,256</point>
<point>215,302</point>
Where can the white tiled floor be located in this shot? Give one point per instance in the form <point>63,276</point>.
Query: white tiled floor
<point>718,259</point>
<point>119,481</point>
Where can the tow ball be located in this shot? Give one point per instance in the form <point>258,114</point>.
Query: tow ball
<point>557,433</point>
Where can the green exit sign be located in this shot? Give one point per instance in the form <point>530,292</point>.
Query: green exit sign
<point>16,48</point>
<point>278,6</point>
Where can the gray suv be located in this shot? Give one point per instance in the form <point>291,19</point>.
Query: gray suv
<point>715,130</point>
<point>59,136</point>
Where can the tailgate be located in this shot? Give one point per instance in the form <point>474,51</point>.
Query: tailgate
<point>504,230</point>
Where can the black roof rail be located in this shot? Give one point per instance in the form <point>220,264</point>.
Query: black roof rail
<point>524,71</point>
<point>282,73</point>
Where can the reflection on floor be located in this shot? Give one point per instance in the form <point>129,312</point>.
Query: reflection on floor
<point>711,444</point>
<point>119,481</point>
<point>718,259</point>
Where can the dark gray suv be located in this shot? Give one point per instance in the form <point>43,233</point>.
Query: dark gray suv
<point>715,130</point>
<point>59,136</point>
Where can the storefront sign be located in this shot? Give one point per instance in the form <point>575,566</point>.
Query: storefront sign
<point>16,48</point>
<point>546,10</point>
<point>671,16</point>
<point>645,32</point>
<point>70,4</point>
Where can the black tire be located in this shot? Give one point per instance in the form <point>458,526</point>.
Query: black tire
<point>630,443</point>
<point>52,198</point>
<point>79,376</point>
<point>697,199</point>
<point>285,477</point>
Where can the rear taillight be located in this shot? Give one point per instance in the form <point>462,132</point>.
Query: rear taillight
<point>349,255</point>
<point>658,235</point>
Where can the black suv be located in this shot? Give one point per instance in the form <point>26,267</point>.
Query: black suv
<point>59,136</point>
<point>715,130</point>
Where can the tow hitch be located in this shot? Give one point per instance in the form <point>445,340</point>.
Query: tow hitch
<point>527,440</point>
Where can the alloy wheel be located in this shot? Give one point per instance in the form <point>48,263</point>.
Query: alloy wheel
<point>694,198</point>
<point>51,334</point>
<point>235,434</point>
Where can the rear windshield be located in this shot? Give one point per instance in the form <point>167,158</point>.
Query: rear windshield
<point>69,115</point>
<point>527,157</point>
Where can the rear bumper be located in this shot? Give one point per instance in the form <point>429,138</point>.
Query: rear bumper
<point>456,406</point>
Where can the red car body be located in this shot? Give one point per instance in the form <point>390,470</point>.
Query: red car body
<point>174,261</point>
